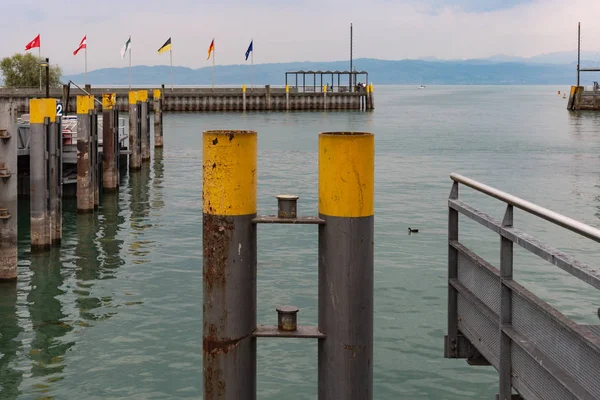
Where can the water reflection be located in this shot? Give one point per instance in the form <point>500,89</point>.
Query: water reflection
<point>111,223</point>
<point>10,344</point>
<point>157,183</point>
<point>88,268</point>
<point>140,210</point>
<point>50,326</point>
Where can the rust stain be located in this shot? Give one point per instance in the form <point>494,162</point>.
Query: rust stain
<point>216,235</point>
<point>354,349</point>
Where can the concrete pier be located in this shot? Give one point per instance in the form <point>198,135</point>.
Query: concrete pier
<point>135,131</point>
<point>229,264</point>
<point>346,191</point>
<point>8,192</point>
<point>43,115</point>
<point>219,99</point>
<point>85,161</point>
<point>585,100</point>
<point>110,144</point>
<point>158,119</point>
<point>145,125</point>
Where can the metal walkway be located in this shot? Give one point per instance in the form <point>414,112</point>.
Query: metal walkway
<point>492,320</point>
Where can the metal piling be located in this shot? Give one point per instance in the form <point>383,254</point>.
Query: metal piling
<point>144,125</point>
<point>346,191</point>
<point>110,143</point>
<point>85,157</point>
<point>229,264</point>
<point>135,130</point>
<point>8,191</point>
<point>158,118</point>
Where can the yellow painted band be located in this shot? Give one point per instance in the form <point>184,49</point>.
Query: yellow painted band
<point>108,101</point>
<point>573,88</point>
<point>85,104</point>
<point>229,172</point>
<point>142,95</point>
<point>346,174</point>
<point>40,109</point>
<point>156,94</point>
<point>133,97</point>
<point>287,89</point>
<point>243,88</point>
<point>325,88</point>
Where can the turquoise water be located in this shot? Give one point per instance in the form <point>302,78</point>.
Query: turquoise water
<point>116,312</point>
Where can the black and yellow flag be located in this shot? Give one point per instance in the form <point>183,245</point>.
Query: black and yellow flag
<point>165,47</point>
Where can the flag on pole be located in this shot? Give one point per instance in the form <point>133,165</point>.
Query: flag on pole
<point>249,50</point>
<point>126,46</point>
<point>211,48</point>
<point>33,44</point>
<point>165,47</point>
<point>82,45</point>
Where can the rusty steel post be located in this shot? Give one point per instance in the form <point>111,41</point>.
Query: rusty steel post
<point>96,165</point>
<point>85,162</point>
<point>158,118</point>
<point>229,264</point>
<point>135,140</point>
<point>55,181</point>
<point>8,191</point>
<point>110,143</point>
<point>145,125</point>
<point>346,191</point>
<point>42,115</point>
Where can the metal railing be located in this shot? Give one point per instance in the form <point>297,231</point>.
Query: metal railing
<point>493,320</point>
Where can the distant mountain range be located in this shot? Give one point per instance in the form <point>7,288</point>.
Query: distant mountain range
<point>553,68</point>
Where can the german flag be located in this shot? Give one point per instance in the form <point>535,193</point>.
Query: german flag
<point>211,48</point>
<point>165,47</point>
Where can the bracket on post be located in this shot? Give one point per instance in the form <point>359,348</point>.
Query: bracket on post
<point>287,214</point>
<point>464,349</point>
<point>4,215</point>
<point>4,134</point>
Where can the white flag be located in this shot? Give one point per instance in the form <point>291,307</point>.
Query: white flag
<point>126,46</point>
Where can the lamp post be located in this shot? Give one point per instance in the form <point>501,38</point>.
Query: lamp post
<point>47,65</point>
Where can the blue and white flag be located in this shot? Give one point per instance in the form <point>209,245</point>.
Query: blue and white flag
<point>249,50</point>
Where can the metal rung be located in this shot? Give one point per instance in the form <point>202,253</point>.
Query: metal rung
<point>124,152</point>
<point>302,332</point>
<point>273,219</point>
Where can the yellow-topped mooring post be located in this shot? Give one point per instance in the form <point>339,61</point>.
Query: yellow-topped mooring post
<point>287,98</point>
<point>346,194</point>
<point>325,97</point>
<point>157,96</point>
<point>110,142</point>
<point>86,165</point>
<point>44,174</point>
<point>135,131</point>
<point>229,264</point>
<point>243,97</point>
<point>145,125</point>
<point>8,191</point>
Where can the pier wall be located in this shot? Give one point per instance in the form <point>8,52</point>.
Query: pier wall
<point>219,99</point>
<point>581,99</point>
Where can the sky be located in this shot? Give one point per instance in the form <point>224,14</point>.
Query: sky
<point>294,30</point>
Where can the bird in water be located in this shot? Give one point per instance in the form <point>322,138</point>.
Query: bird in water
<point>410,230</point>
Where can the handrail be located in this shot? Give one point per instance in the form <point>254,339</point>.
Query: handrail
<point>548,215</point>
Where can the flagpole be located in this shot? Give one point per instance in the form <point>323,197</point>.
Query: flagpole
<point>252,66</point>
<point>39,61</point>
<point>130,74</point>
<point>171,57</point>
<point>213,71</point>
<point>86,62</point>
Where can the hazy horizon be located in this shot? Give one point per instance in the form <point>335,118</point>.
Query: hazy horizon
<point>294,32</point>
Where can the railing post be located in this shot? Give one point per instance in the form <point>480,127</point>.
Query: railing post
<point>8,191</point>
<point>506,274</point>
<point>452,340</point>
<point>229,264</point>
<point>346,191</point>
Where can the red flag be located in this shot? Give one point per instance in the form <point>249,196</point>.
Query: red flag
<point>211,48</point>
<point>34,43</point>
<point>82,45</point>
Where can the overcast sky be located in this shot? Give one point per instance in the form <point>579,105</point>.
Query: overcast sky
<point>294,30</point>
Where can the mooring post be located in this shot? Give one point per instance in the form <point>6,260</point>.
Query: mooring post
<point>371,103</point>
<point>229,264</point>
<point>244,98</point>
<point>110,143</point>
<point>145,125</point>
<point>287,98</point>
<point>267,97</point>
<point>42,115</point>
<point>158,118</point>
<point>55,181</point>
<point>324,97</point>
<point>85,159</point>
<point>96,163</point>
<point>346,191</point>
<point>8,191</point>
<point>135,142</point>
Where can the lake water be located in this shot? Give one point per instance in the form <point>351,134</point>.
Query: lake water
<point>116,312</point>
